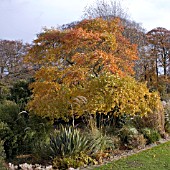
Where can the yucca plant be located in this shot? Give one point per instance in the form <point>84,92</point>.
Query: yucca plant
<point>68,141</point>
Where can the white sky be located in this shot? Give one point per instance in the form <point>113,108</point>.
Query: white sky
<point>23,19</point>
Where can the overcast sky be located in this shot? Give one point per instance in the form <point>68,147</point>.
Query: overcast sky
<point>23,19</point>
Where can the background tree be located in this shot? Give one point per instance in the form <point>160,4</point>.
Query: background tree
<point>159,40</point>
<point>11,59</point>
<point>159,44</point>
<point>106,10</point>
<point>114,9</point>
<point>145,68</point>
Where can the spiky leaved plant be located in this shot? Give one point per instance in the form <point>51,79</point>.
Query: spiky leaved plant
<point>68,141</point>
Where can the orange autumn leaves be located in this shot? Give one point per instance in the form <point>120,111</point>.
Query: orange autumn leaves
<point>71,57</point>
<point>93,45</point>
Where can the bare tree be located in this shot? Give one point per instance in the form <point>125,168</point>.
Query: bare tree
<point>104,9</point>
<point>159,39</point>
<point>11,58</point>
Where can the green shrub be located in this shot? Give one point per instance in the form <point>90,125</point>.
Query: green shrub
<point>20,131</point>
<point>9,112</point>
<point>135,141</point>
<point>2,166</point>
<point>37,130</point>
<point>20,93</point>
<point>116,141</point>
<point>41,150</point>
<point>151,135</point>
<point>131,138</point>
<point>153,120</point>
<point>8,127</point>
<point>2,151</point>
<point>5,131</point>
<point>127,131</point>
<point>100,142</point>
<point>167,129</point>
<point>68,141</point>
<point>2,155</point>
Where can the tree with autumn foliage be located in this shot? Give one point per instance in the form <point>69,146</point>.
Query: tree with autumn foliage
<point>76,64</point>
<point>159,40</point>
<point>133,31</point>
<point>159,47</point>
<point>95,45</point>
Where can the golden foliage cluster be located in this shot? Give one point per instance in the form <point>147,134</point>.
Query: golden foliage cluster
<point>86,69</point>
<point>103,94</point>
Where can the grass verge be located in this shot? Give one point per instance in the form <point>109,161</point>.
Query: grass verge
<point>156,158</point>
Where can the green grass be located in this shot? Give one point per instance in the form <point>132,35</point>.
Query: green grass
<point>157,158</point>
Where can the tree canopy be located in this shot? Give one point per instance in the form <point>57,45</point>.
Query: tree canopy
<point>82,70</point>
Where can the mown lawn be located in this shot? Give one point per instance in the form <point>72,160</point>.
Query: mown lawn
<point>156,158</point>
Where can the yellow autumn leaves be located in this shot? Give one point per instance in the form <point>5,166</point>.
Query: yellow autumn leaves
<point>85,70</point>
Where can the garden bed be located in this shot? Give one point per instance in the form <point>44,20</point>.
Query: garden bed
<point>107,163</point>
